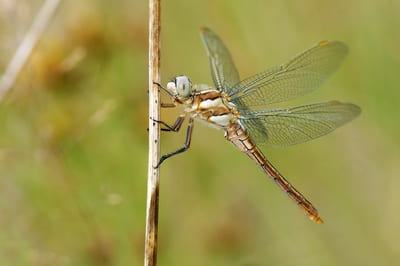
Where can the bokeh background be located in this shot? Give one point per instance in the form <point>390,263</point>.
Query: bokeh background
<point>73,139</point>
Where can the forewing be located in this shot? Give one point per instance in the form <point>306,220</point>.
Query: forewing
<point>223,70</point>
<point>301,75</point>
<point>284,127</point>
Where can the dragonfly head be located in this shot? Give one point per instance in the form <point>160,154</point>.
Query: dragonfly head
<point>180,87</point>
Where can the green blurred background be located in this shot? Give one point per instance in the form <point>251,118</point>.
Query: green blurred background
<point>73,139</point>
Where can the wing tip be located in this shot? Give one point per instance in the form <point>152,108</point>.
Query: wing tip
<point>335,102</point>
<point>323,43</point>
<point>357,109</point>
<point>337,44</point>
<point>204,29</point>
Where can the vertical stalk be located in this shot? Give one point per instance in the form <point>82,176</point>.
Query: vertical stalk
<point>153,181</point>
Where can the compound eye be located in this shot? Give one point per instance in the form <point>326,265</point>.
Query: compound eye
<point>183,86</point>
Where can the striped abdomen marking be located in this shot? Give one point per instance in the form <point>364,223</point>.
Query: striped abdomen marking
<point>240,138</point>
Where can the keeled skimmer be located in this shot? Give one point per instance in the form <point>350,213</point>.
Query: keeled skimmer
<point>238,106</point>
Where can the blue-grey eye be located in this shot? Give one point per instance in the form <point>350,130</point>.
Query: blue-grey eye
<point>183,86</point>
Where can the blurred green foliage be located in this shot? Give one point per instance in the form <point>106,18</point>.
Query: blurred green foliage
<point>73,139</point>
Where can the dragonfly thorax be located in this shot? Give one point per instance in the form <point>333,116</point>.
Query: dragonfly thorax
<point>180,87</point>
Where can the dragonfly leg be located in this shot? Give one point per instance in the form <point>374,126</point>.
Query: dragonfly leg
<point>168,105</point>
<point>164,89</point>
<point>184,148</point>
<point>175,127</point>
<point>165,105</point>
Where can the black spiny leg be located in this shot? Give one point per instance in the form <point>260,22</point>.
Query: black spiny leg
<point>168,105</point>
<point>175,127</point>
<point>164,89</point>
<point>176,124</point>
<point>184,148</point>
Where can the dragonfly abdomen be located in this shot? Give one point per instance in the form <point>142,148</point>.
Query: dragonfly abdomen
<point>241,139</point>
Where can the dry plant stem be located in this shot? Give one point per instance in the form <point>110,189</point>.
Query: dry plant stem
<point>25,48</point>
<point>153,180</point>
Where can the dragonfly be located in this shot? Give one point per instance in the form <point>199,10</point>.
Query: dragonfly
<point>240,107</point>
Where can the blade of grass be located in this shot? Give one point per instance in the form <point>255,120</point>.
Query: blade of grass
<point>25,48</point>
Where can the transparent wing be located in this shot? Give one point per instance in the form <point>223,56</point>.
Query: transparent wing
<point>223,70</point>
<point>299,76</point>
<point>284,127</point>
